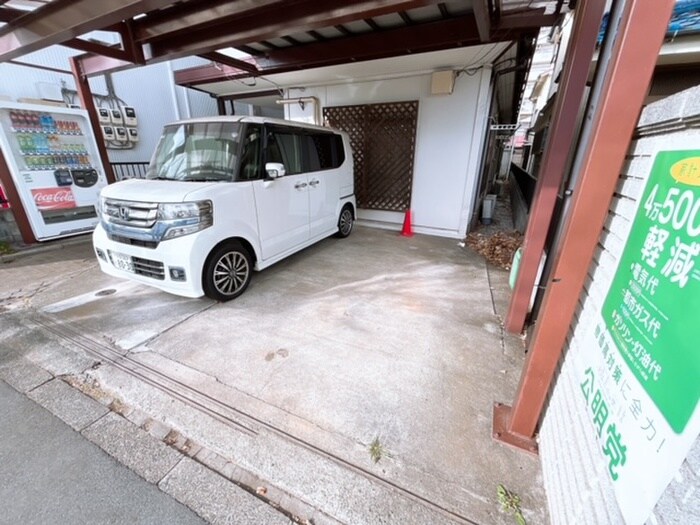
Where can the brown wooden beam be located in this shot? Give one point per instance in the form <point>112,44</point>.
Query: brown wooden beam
<point>638,39</point>
<point>59,21</point>
<point>82,85</point>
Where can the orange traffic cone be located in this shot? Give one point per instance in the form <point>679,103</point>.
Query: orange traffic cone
<point>407,230</point>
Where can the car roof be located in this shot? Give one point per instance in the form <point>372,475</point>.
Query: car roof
<point>256,120</point>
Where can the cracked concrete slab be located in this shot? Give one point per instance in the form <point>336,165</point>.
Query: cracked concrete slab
<point>149,458</point>
<point>68,404</point>
<point>22,374</point>
<point>216,499</point>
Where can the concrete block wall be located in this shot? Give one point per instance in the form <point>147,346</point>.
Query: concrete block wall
<point>579,489</point>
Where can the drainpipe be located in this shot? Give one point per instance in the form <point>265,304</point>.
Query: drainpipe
<point>173,93</point>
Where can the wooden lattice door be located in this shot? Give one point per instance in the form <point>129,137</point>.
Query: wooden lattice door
<point>383,139</point>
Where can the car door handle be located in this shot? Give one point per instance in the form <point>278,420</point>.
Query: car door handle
<point>300,185</point>
<point>314,182</point>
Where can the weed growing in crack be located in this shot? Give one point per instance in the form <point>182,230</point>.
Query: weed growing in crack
<point>510,503</point>
<point>377,450</point>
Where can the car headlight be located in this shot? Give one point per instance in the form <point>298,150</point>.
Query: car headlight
<point>184,218</point>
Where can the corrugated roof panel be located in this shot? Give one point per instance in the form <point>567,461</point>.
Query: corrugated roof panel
<point>425,14</point>
<point>279,42</point>
<point>457,7</point>
<point>358,26</point>
<point>329,32</point>
<point>304,38</point>
<point>389,21</point>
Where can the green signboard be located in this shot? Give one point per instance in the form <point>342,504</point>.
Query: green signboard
<point>652,309</point>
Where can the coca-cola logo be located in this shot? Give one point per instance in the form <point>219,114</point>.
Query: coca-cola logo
<point>53,198</point>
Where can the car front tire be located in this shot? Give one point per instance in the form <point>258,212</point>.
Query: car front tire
<point>227,272</point>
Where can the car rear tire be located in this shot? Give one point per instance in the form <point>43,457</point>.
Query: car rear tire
<point>227,272</point>
<point>345,222</point>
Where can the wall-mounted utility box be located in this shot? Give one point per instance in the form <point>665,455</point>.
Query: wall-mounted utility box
<point>103,115</point>
<point>108,132</point>
<point>116,117</point>
<point>129,115</point>
<point>442,83</point>
<point>120,134</point>
<point>133,134</point>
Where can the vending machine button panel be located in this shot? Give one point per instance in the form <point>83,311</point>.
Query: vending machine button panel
<point>63,177</point>
<point>85,178</point>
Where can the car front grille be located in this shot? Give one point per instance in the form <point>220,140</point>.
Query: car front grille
<point>148,268</point>
<point>136,214</point>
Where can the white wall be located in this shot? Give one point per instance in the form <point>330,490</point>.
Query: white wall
<point>148,89</point>
<point>449,141</point>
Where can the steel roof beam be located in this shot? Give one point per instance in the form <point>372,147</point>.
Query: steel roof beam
<point>241,65</point>
<point>276,22</point>
<point>454,32</point>
<point>269,18</point>
<point>7,14</point>
<point>99,49</point>
<point>431,36</point>
<point>59,21</point>
<point>197,75</point>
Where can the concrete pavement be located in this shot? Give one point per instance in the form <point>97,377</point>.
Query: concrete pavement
<point>372,344</point>
<point>49,473</point>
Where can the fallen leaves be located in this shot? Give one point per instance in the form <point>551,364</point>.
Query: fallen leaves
<point>497,248</point>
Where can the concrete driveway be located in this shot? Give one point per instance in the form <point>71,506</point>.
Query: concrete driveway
<point>351,383</point>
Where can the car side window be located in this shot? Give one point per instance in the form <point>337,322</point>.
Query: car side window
<point>250,154</point>
<point>290,148</point>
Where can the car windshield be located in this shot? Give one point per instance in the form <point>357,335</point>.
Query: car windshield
<point>197,152</point>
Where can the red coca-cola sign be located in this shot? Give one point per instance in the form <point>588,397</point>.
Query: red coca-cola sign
<point>53,198</point>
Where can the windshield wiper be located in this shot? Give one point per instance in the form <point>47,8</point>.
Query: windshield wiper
<point>203,179</point>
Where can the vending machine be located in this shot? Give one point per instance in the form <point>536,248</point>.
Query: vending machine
<point>54,162</point>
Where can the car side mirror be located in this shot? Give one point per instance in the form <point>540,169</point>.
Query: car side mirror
<point>275,170</point>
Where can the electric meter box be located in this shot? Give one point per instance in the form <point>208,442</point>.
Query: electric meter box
<point>129,115</point>
<point>108,132</point>
<point>103,115</point>
<point>133,134</point>
<point>117,117</point>
<point>120,133</point>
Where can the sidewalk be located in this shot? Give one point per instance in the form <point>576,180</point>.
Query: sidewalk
<point>51,474</point>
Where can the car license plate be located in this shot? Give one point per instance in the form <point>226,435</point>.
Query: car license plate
<point>122,262</point>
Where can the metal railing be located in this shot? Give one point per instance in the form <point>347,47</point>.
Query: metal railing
<point>129,170</point>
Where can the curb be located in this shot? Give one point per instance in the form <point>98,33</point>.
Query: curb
<point>43,248</point>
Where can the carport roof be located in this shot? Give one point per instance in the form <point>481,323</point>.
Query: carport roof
<point>276,35</point>
<point>255,38</point>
